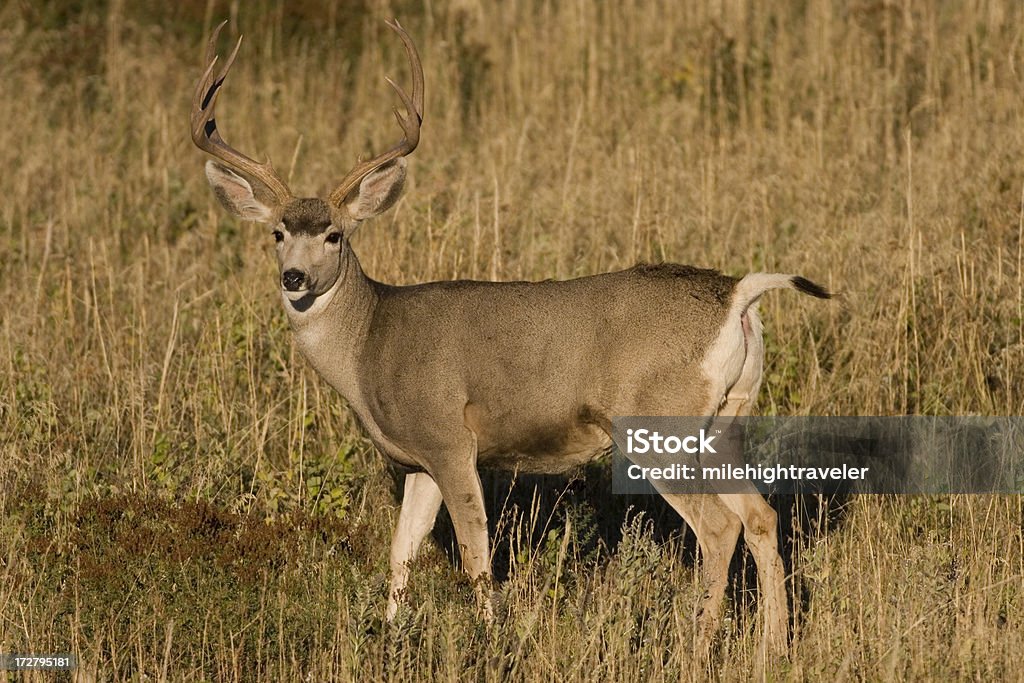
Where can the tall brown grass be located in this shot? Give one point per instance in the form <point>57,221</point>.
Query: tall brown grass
<point>183,499</point>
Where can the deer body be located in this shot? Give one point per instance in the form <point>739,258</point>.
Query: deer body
<point>575,345</point>
<point>447,377</point>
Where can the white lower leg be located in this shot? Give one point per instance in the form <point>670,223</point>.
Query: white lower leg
<point>420,504</point>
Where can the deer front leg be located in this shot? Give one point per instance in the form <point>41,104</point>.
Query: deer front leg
<point>420,503</point>
<point>464,498</point>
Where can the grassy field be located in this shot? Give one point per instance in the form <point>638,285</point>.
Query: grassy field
<point>182,499</point>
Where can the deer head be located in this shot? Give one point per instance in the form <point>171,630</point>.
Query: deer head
<point>311,233</point>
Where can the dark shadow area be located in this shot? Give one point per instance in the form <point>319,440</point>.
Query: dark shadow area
<point>550,499</point>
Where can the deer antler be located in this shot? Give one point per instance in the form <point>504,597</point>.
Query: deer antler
<point>409,122</point>
<point>204,126</point>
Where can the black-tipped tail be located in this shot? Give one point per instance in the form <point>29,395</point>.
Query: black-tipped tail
<point>802,284</point>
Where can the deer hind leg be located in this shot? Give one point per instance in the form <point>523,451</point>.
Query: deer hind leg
<point>717,530</point>
<point>760,532</point>
<point>759,520</point>
<point>420,504</point>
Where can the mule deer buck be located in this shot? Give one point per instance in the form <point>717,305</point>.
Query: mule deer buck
<point>446,377</point>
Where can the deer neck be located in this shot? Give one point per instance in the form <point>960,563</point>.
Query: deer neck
<point>331,330</point>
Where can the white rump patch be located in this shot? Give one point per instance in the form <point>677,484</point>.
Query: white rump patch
<point>723,363</point>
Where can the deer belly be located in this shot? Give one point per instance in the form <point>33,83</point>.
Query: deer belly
<point>543,451</point>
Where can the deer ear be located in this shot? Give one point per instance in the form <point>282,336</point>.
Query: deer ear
<point>236,194</point>
<point>378,191</point>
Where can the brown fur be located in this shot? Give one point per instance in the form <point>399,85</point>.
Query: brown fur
<point>512,332</point>
<point>306,216</point>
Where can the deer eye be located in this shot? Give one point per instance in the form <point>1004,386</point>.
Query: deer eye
<point>334,238</point>
<point>278,235</point>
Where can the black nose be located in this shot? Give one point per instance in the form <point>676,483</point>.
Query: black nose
<point>293,279</point>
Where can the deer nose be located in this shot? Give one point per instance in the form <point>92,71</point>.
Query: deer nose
<point>293,279</point>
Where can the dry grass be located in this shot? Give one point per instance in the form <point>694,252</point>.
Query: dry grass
<point>180,496</point>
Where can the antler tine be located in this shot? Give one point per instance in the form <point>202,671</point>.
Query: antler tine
<point>207,137</point>
<point>409,122</point>
<point>414,61</point>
